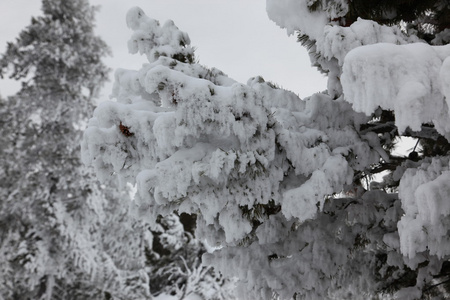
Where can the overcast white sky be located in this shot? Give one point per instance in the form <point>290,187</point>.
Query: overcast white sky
<point>235,36</point>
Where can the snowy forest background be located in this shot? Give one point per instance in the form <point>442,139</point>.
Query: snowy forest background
<point>191,185</point>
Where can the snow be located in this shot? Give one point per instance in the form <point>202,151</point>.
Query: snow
<point>295,15</point>
<point>424,193</point>
<point>410,76</point>
<point>303,202</point>
<point>337,41</point>
<point>444,75</point>
<point>154,40</point>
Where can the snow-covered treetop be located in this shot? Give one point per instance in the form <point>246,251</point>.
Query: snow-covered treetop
<point>58,50</point>
<point>153,40</point>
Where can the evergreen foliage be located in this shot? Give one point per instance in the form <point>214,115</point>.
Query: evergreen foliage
<point>59,233</point>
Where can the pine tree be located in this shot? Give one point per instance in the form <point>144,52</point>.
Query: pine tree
<point>287,187</point>
<point>59,231</point>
